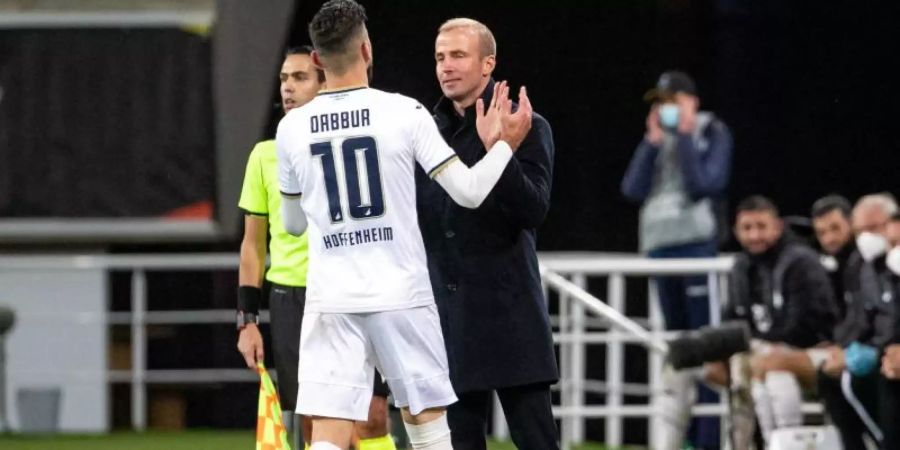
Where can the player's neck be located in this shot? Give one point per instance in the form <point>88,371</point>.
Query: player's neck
<point>353,78</point>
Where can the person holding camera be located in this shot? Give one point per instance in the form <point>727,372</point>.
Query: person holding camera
<point>780,289</point>
<point>679,173</point>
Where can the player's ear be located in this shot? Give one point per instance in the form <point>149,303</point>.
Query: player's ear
<point>366,50</point>
<point>316,59</point>
<point>488,64</point>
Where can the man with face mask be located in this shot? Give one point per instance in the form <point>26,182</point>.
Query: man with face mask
<point>889,389</point>
<point>680,173</point>
<point>781,290</point>
<point>831,219</point>
<point>847,378</point>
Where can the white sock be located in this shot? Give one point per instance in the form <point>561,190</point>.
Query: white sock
<point>673,409</point>
<point>762,403</point>
<point>323,445</point>
<point>434,435</point>
<point>787,401</point>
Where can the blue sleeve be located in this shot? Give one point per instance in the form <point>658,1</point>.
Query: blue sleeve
<point>706,173</point>
<point>638,178</point>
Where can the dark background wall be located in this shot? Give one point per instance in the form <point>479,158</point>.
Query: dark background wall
<point>805,88</point>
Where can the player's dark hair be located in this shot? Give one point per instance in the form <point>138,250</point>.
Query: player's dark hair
<point>305,50</point>
<point>831,203</point>
<point>757,203</point>
<point>334,28</point>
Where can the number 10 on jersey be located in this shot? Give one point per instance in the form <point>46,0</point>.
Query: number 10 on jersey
<point>362,176</point>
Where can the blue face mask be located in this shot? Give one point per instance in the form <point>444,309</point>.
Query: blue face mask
<point>668,116</point>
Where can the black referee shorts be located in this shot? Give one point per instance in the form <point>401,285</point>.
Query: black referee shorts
<point>286,305</point>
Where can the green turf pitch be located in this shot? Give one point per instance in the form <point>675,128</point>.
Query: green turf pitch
<point>189,440</point>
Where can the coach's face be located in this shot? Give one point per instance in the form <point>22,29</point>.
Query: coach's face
<point>461,69</point>
<point>299,81</point>
<point>757,231</point>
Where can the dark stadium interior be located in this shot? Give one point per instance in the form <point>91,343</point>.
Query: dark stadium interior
<point>806,88</point>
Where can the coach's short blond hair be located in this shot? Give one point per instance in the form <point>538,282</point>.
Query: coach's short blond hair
<point>487,43</point>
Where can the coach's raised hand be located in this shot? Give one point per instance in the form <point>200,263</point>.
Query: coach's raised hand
<point>487,122</point>
<point>514,126</point>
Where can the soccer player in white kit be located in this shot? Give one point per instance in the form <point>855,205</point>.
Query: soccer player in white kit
<point>346,172</point>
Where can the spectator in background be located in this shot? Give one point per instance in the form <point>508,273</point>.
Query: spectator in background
<point>679,173</point>
<point>890,362</point>
<point>781,290</point>
<point>862,327</point>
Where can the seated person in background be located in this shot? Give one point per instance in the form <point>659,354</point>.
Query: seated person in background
<point>851,407</point>
<point>889,389</point>
<point>781,289</point>
<point>834,234</point>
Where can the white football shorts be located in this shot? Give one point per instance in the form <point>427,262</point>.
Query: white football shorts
<point>339,351</point>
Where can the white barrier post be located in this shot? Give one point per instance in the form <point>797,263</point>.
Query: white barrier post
<point>615,359</point>
<point>138,350</point>
<point>579,354</point>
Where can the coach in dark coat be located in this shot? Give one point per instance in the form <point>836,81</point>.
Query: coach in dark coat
<point>484,273</point>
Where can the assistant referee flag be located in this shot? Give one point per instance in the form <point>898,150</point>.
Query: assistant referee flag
<point>270,431</point>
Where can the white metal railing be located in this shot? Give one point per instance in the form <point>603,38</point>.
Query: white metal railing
<point>565,273</point>
<point>573,337</point>
<point>619,330</point>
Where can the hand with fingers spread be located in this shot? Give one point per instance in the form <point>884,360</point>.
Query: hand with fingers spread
<point>487,121</point>
<point>250,344</point>
<point>514,126</point>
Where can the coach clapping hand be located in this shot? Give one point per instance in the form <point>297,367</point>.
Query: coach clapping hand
<point>487,122</point>
<point>514,126</point>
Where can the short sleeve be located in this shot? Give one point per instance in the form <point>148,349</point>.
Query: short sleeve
<point>254,199</point>
<point>430,150</point>
<point>289,182</point>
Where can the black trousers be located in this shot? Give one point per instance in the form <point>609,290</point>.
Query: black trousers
<point>842,414</point>
<point>286,305</point>
<point>528,414</point>
<point>889,402</point>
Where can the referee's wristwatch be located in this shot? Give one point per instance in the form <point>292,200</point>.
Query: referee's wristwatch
<point>246,318</point>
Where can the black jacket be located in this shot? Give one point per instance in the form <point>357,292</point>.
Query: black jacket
<point>483,262</point>
<point>880,288</point>
<point>784,295</point>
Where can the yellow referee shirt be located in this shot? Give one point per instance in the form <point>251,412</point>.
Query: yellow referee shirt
<point>260,197</point>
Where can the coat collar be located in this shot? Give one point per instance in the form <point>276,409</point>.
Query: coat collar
<point>445,111</point>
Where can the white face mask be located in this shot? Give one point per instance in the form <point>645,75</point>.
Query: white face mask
<point>893,260</point>
<point>871,245</point>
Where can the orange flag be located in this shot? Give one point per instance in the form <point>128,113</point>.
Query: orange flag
<point>270,431</point>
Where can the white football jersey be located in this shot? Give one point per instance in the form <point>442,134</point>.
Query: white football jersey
<point>351,154</point>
